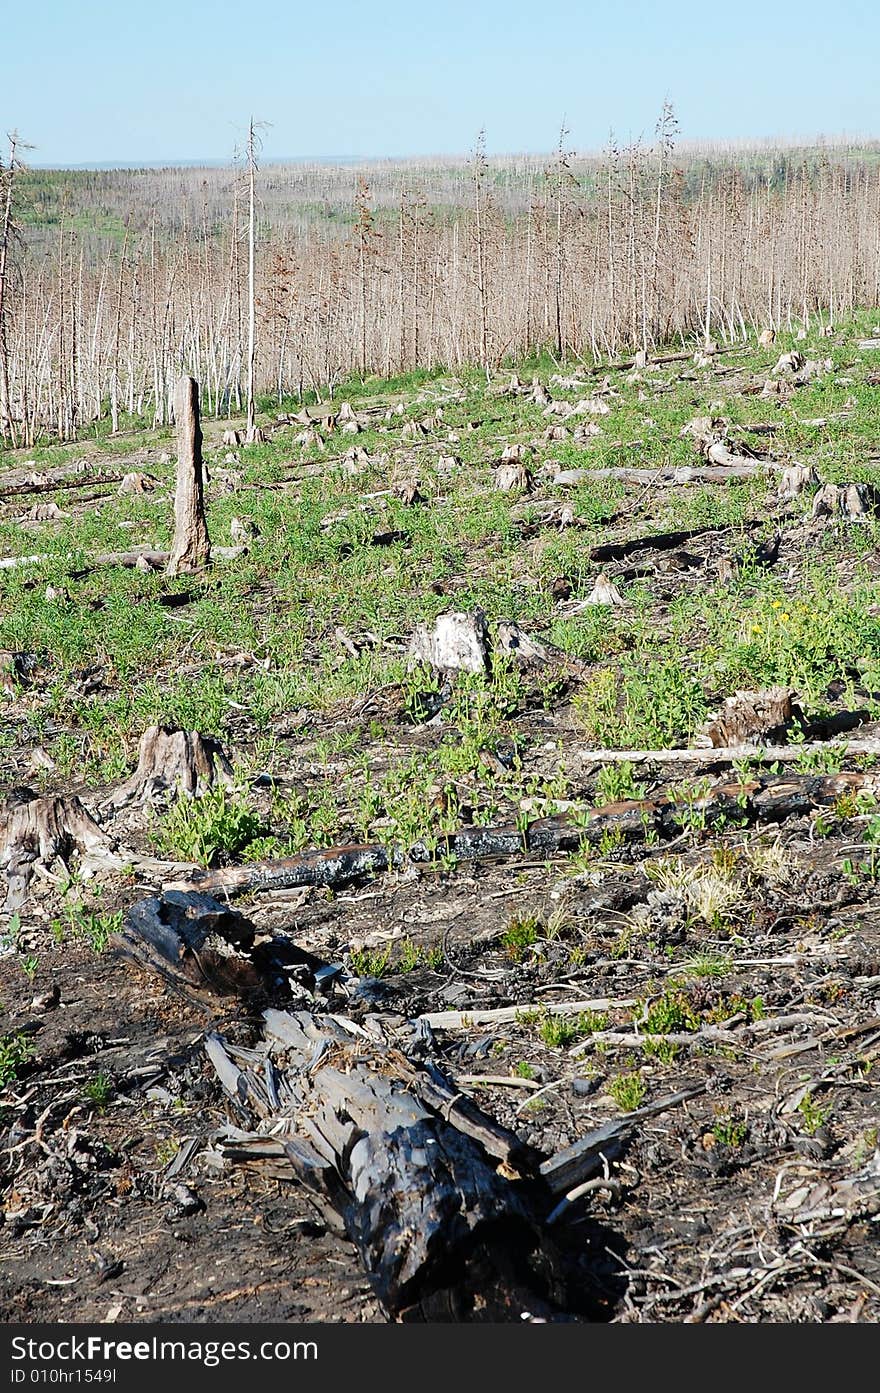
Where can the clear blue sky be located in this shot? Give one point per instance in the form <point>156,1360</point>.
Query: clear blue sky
<point>91,81</point>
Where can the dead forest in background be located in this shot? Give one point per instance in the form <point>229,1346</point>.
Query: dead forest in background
<point>112,284</point>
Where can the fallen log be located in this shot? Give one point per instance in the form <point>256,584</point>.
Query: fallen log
<point>53,482</point>
<point>665,477</point>
<point>660,541</point>
<point>507,1015</point>
<point>761,800</point>
<point>569,1167</point>
<point>444,1232</point>
<point>193,941</point>
<point>757,754</point>
<point>520,646</point>
<point>142,559</point>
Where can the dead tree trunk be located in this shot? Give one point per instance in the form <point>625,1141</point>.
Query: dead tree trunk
<point>191,549</point>
<point>409,1166</point>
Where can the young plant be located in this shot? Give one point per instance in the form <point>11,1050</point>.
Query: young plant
<point>628,1091</point>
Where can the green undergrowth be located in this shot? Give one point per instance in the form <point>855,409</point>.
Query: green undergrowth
<point>242,649</point>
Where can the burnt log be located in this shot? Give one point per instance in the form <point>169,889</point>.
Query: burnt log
<point>390,1151</point>
<point>733,803</point>
<point>194,942</point>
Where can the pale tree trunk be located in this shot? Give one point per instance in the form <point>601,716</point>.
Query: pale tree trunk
<point>191,549</point>
<point>8,422</point>
<point>251,414</point>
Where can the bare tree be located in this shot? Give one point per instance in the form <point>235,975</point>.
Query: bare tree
<point>8,234</point>
<point>254,147</point>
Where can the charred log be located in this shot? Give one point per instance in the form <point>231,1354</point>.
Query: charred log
<point>762,800</point>
<point>444,1232</point>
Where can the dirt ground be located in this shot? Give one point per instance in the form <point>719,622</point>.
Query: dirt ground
<point>704,1219</point>
<point>739,958</point>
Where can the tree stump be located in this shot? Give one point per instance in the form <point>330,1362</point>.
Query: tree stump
<point>136,483</point>
<point>512,476</point>
<point>191,549</point>
<point>844,500</point>
<point>457,642</point>
<point>42,831</point>
<point>604,592</point>
<point>795,478</point>
<point>750,716</point>
<point>172,761</point>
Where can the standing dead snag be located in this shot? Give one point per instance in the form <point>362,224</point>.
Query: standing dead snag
<point>191,549</point>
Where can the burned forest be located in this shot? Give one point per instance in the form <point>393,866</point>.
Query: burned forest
<point>440,741</point>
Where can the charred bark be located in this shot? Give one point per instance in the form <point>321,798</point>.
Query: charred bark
<point>392,1152</point>
<point>762,800</point>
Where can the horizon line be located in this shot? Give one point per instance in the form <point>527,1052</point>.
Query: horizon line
<point>689,146</point>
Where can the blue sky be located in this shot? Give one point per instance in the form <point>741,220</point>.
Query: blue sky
<point>91,81</point>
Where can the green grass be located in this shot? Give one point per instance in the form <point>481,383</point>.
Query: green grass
<point>628,1090</point>
<point>257,637</point>
<point>220,823</point>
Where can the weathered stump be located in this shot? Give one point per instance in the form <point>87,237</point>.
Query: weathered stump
<point>604,592</point>
<point>174,761</point>
<point>38,831</point>
<point>191,549</point>
<point>457,642</point>
<point>845,500</point>
<point>513,476</point>
<point>750,716</point>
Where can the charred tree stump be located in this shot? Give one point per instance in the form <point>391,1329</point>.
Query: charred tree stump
<point>406,1166</point>
<point>849,501</point>
<point>42,832</point>
<point>194,942</point>
<point>174,761</point>
<point>191,549</point>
